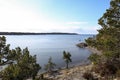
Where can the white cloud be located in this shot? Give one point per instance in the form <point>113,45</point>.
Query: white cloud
<point>14,17</point>
<point>18,18</point>
<point>89,29</point>
<point>84,27</point>
<point>77,23</point>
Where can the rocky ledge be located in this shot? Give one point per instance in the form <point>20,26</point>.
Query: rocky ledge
<point>82,45</point>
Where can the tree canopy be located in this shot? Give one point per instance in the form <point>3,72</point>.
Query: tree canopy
<point>50,65</point>
<point>20,64</point>
<point>5,53</point>
<point>108,39</point>
<point>67,58</point>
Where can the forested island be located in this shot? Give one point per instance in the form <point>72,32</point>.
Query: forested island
<point>32,33</point>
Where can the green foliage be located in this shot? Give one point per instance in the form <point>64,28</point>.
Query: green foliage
<point>111,17</point>
<point>95,58</point>
<point>4,51</point>
<point>118,73</point>
<point>67,58</point>
<point>88,76</point>
<point>107,68</point>
<point>21,64</point>
<point>108,41</point>
<point>25,66</point>
<point>109,35</point>
<point>91,41</point>
<point>50,65</point>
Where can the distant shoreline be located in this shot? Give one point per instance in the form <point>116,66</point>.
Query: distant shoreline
<point>31,33</point>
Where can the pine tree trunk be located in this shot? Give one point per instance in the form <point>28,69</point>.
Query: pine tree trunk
<point>67,65</point>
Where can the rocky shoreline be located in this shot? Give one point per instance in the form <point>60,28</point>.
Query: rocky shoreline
<point>76,72</point>
<point>94,50</point>
<point>73,73</point>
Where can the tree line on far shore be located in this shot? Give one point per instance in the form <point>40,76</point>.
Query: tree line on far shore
<point>21,65</point>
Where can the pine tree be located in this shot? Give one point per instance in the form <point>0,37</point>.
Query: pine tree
<point>108,41</point>
<point>4,51</point>
<point>21,65</point>
<point>50,65</point>
<point>67,58</point>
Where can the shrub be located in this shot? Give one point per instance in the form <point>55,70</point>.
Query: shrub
<point>118,73</point>
<point>88,76</point>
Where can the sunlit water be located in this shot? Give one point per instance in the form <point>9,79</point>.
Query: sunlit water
<point>45,46</point>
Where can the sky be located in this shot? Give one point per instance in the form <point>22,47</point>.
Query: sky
<point>73,16</point>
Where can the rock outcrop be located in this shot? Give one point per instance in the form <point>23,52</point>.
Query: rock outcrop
<point>82,45</point>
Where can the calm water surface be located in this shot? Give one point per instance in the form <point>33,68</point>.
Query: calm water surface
<point>45,46</point>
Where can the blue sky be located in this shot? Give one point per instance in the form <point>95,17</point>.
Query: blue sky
<point>78,16</point>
